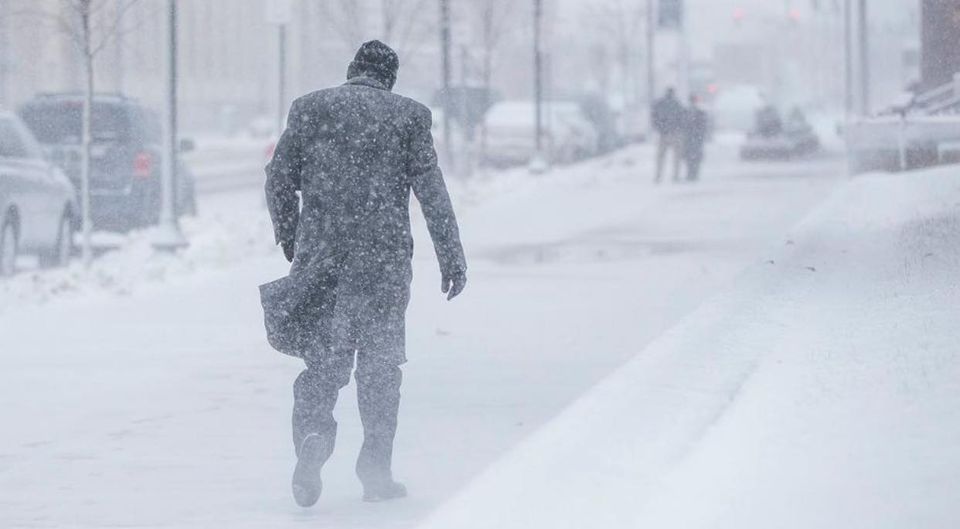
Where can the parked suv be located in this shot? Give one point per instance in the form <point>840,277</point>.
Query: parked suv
<point>125,186</point>
<point>38,211</point>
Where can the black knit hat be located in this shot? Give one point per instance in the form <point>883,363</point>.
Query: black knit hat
<point>377,60</point>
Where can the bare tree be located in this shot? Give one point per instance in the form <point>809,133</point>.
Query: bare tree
<point>617,26</point>
<point>91,25</point>
<point>344,18</point>
<point>494,17</point>
<point>398,22</point>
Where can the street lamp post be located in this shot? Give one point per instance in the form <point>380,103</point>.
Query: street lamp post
<point>169,237</point>
<point>447,75</point>
<point>864,29</point>
<point>281,77</point>
<point>651,55</point>
<point>847,57</point>
<point>539,162</point>
<point>280,14</point>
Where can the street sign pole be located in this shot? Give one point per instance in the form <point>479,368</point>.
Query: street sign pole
<point>282,76</point>
<point>169,238</point>
<point>864,47</point>
<point>539,164</point>
<point>651,54</point>
<point>280,14</point>
<point>447,73</point>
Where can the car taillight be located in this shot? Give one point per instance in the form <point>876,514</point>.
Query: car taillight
<point>143,165</point>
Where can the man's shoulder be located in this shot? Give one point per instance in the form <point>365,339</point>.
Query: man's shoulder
<point>317,96</point>
<point>409,105</point>
<point>332,94</point>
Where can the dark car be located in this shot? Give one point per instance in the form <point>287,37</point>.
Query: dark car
<point>772,139</point>
<point>38,211</point>
<point>126,159</point>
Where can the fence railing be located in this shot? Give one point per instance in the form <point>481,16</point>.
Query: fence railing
<point>941,100</point>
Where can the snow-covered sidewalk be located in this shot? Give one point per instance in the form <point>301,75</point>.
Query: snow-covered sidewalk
<point>821,390</point>
<point>144,394</point>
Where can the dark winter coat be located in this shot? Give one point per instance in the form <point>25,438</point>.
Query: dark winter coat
<point>355,152</point>
<point>667,115</point>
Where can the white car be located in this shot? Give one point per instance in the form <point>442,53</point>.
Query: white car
<point>568,135</point>
<point>38,208</point>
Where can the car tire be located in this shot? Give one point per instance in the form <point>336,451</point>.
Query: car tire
<point>8,248</point>
<point>61,253</point>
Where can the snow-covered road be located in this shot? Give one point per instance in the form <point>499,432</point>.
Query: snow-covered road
<point>144,394</point>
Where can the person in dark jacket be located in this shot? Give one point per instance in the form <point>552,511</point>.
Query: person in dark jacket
<point>667,117</point>
<point>695,127</point>
<point>354,153</point>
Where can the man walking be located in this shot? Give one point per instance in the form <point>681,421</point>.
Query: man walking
<point>695,127</point>
<point>354,153</point>
<point>667,118</point>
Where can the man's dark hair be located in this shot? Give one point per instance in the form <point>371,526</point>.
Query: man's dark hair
<point>377,61</point>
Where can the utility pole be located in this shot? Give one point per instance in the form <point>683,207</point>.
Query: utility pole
<point>651,55</point>
<point>684,52</point>
<point>4,52</point>
<point>119,55</point>
<point>864,32</point>
<point>538,164</point>
<point>280,13</point>
<point>447,73</point>
<point>848,57</point>
<point>169,238</point>
<point>466,120</point>
<point>281,77</point>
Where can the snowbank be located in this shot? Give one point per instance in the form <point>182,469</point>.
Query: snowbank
<point>822,390</point>
<point>231,229</point>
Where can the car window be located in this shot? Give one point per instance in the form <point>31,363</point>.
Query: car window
<point>12,141</point>
<point>30,143</point>
<point>60,122</point>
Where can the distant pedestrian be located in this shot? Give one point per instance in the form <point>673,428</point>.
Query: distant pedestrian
<point>338,188</point>
<point>667,117</point>
<point>695,125</point>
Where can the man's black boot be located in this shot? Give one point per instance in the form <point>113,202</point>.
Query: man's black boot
<point>314,452</point>
<point>383,491</point>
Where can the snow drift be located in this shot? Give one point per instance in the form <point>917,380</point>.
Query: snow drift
<point>822,390</point>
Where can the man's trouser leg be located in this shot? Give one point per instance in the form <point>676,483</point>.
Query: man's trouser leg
<point>663,144</point>
<point>378,393</point>
<point>693,167</point>
<point>676,145</point>
<point>315,394</point>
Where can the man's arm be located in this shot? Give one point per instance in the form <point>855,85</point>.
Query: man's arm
<point>426,179</point>
<point>283,182</point>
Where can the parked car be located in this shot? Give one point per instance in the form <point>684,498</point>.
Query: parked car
<point>773,139</point>
<point>38,209</point>
<point>127,155</point>
<point>568,135</point>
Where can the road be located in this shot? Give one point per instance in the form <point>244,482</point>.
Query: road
<point>158,403</point>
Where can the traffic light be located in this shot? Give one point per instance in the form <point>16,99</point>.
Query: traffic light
<point>670,14</point>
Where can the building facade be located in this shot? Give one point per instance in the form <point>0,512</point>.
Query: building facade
<point>228,52</point>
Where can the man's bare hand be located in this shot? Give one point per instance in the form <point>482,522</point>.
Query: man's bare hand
<point>452,285</point>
